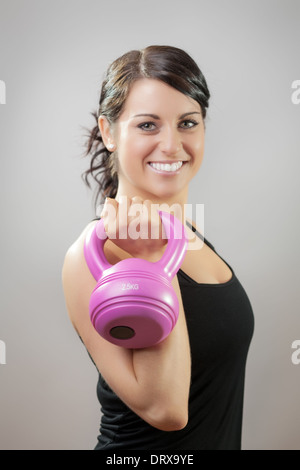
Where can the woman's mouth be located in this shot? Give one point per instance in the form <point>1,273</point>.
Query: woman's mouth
<point>169,168</point>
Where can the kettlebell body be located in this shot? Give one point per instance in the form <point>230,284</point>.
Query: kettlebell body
<point>134,304</point>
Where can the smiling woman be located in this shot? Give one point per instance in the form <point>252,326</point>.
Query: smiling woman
<point>167,148</point>
<point>167,65</point>
<point>186,392</point>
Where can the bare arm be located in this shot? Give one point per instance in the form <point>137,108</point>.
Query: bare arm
<point>163,372</point>
<point>154,382</point>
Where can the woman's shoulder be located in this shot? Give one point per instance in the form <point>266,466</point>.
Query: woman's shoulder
<point>74,257</point>
<point>76,248</point>
<point>78,282</point>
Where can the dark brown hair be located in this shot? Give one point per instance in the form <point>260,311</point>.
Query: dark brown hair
<point>169,64</point>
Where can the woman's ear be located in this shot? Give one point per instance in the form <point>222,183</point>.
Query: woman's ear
<point>106,133</point>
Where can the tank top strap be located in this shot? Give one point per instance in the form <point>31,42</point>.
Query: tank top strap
<point>200,236</point>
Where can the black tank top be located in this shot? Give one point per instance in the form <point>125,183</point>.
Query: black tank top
<point>220,324</point>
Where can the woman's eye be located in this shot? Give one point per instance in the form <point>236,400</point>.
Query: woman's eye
<point>188,124</point>
<point>147,126</point>
<point>151,126</point>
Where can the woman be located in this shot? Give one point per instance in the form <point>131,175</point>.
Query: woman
<point>147,145</point>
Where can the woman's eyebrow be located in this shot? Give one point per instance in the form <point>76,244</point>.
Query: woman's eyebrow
<point>154,116</point>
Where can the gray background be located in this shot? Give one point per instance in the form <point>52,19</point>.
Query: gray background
<point>53,55</point>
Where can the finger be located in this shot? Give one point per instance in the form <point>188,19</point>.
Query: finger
<point>135,211</point>
<point>136,205</point>
<point>155,227</point>
<point>124,203</point>
<point>110,216</point>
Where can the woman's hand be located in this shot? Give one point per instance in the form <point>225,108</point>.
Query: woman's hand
<point>134,226</point>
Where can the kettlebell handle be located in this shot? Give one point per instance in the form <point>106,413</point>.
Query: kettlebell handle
<point>169,263</point>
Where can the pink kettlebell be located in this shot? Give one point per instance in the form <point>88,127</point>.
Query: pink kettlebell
<point>134,304</point>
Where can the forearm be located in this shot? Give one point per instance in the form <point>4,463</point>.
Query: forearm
<point>163,373</point>
<point>153,382</point>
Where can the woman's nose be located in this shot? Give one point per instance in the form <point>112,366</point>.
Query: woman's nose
<point>170,142</point>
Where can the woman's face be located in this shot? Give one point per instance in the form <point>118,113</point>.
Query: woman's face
<point>159,138</point>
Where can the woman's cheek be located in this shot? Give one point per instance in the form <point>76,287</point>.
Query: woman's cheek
<point>140,147</point>
<point>198,149</point>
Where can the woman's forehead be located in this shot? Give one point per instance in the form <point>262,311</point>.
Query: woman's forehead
<point>151,96</point>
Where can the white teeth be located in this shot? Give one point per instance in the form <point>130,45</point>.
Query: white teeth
<point>166,166</point>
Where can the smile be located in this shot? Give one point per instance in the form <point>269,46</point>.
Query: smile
<point>166,167</point>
